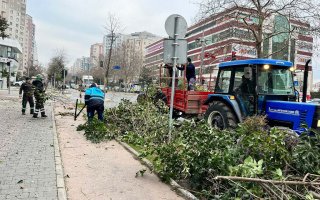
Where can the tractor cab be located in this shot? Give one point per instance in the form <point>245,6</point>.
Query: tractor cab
<point>244,87</point>
<point>252,82</point>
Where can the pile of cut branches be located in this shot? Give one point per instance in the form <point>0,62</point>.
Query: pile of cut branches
<point>251,161</point>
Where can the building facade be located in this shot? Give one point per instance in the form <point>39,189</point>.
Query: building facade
<point>154,57</point>
<point>9,50</point>
<point>118,39</point>
<point>29,43</point>
<point>81,65</point>
<point>96,54</point>
<point>133,47</point>
<point>225,34</point>
<point>21,28</point>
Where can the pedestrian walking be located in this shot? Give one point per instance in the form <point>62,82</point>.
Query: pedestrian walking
<point>40,96</point>
<point>94,99</point>
<point>27,96</point>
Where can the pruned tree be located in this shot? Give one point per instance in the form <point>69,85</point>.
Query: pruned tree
<point>112,27</point>
<point>258,18</point>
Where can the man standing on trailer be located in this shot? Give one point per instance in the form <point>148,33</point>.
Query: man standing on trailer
<point>190,74</point>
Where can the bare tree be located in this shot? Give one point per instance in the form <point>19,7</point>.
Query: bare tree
<point>98,74</point>
<point>304,12</point>
<point>131,61</point>
<point>112,27</point>
<point>33,70</point>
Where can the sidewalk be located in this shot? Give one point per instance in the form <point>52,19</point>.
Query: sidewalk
<point>27,154</point>
<point>29,168</point>
<point>104,171</point>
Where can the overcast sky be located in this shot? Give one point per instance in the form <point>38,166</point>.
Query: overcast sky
<point>74,25</point>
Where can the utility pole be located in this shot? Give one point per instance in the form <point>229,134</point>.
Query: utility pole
<point>9,85</point>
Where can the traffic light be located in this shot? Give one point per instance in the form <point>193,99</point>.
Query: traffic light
<point>233,55</point>
<point>64,72</point>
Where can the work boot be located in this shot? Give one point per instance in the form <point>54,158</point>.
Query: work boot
<point>23,113</point>
<point>43,115</point>
<point>35,115</point>
<point>31,112</point>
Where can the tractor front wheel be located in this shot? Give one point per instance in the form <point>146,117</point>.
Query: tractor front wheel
<point>220,116</point>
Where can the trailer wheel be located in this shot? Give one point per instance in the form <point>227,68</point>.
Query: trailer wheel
<point>220,116</point>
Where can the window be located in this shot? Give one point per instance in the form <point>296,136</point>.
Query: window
<point>192,45</point>
<point>223,81</point>
<point>275,80</point>
<point>237,78</point>
<point>280,42</point>
<point>4,5</point>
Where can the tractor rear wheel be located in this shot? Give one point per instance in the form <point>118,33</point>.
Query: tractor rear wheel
<point>219,115</point>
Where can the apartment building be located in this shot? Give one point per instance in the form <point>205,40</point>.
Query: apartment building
<point>81,65</point>
<point>96,54</point>
<point>21,28</point>
<point>118,39</point>
<point>29,43</point>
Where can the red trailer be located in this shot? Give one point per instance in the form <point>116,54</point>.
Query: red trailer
<point>187,102</point>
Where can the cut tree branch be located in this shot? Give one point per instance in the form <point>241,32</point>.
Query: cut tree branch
<point>237,178</point>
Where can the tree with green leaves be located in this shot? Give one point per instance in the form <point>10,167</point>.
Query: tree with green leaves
<point>263,18</point>
<point>56,66</point>
<point>145,77</point>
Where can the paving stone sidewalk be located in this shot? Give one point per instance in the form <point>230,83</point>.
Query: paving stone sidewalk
<point>27,160</point>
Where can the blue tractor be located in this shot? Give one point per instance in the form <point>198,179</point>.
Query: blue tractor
<point>259,87</point>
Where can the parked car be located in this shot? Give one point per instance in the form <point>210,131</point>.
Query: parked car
<point>136,88</point>
<point>17,83</point>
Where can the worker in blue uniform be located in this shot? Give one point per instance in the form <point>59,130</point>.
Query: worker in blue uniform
<point>94,99</point>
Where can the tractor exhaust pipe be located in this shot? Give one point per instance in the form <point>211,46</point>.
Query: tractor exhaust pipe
<point>305,81</point>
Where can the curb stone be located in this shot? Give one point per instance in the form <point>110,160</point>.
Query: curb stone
<point>184,193</point>
<point>62,195</point>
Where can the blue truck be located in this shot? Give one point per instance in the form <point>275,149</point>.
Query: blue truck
<point>259,87</point>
